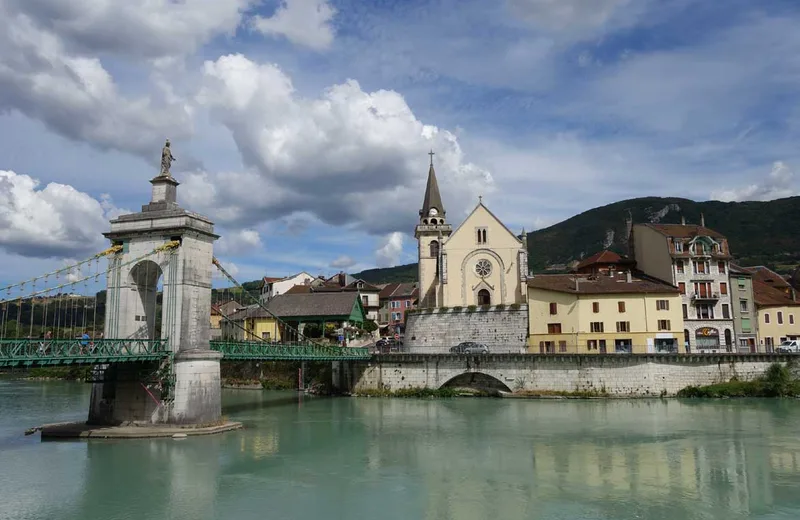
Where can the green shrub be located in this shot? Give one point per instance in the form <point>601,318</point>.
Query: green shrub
<point>472,308</point>
<point>777,381</point>
<point>500,307</point>
<point>515,306</point>
<point>458,308</point>
<point>415,392</point>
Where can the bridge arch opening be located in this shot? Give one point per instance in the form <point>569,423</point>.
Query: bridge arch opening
<point>147,280</point>
<point>476,381</point>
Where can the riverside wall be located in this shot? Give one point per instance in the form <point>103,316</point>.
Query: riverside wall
<point>637,375</point>
<point>433,331</point>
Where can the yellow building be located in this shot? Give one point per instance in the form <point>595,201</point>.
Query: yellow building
<point>614,313</point>
<point>251,323</point>
<point>480,263</point>
<point>778,308</point>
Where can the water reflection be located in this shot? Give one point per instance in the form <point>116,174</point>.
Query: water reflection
<point>301,457</point>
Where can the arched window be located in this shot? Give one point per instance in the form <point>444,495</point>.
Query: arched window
<point>434,249</point>
<point>433,222</point>
<point>484,298</point>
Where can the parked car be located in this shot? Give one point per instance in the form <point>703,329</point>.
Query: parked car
<point>383,342</point>
<point>790,346</point>
<point>470,347</point>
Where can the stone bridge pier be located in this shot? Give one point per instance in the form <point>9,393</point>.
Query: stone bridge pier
<point>623,375</point>
<point>184,388</point>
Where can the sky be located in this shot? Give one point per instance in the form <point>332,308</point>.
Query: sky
<point>302,127</point>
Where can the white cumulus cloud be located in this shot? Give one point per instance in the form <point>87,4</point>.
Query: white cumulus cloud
<point>238,242</point>
<point>54,221</point>
<point>302,22</point>
<point>778,184</point>
<point>349,157</point>
<point>343,262</point>
<point>388,254</point>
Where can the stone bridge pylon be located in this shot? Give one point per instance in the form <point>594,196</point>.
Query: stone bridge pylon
<point>185,387</point>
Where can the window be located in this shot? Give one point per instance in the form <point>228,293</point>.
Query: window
<point>547,347</point>
<point>265,335</point>
<point>602,345</point>
<point>662,305</point>
<point>484,297</point>
<point>685,311</point>
<point>553,309</point>
<point>595,307</point>
<point>721,267</point>
<point>702,289</point>
<point>395,305</point>
<point>481,235</point>
<point>623,346</point>
<point>700,267</point>
<point>663,325</point>
<point>679,266</point>
<point>746,327</point>
<point>678,247</point>
<point>554,328</point>
<point>743,305</point>
<point>780,318</point>
<point>621,306</point>
<point>766,317</point>
<point>666,345</point>
<point>768,344</point>
<point>562,346</point>
<point>408,303</point>
<point>726,312</point>
<point>596,326</point>
<point>723,288</point>
<point>483,268</point>
<point>365,300</point>
<point>623,326</point>
<point>591,344</point>
<point>682,287</point>
<point>741,283</point>
<point>434,249</point>
<point>705,312</point>
<point>791,319</point>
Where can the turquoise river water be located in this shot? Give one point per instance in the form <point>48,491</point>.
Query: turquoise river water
<point>364,458</point>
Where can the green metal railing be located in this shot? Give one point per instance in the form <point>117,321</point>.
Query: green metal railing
<point>277,351</point>
<point>41,352</point>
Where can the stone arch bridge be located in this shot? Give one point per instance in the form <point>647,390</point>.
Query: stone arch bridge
<point>615,374</point>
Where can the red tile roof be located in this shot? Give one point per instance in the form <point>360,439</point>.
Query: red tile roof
<point>603,257</point>
<point>619,284</point>
<point>684,230</point>
<point>767,295</point>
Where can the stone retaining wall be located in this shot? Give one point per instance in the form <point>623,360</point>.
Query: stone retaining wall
<point>623,375</point>
<point>503,330</point>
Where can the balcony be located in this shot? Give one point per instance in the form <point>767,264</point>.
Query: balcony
<point>707,297</point>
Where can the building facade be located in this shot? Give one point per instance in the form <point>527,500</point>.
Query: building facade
<point>745,314</point>
<point>777,307</point>
<point>480,263</point>
<point>696,260</point>
<point>619,312</point>
<point>396,300</point>
<point>272,287</point>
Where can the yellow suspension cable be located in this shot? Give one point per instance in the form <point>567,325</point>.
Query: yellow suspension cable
<point>110,251</point>
<point>164,247</point>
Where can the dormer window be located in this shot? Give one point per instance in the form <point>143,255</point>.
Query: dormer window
<point>678,246</point>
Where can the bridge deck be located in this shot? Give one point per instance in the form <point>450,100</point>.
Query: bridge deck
<point>40,352</point>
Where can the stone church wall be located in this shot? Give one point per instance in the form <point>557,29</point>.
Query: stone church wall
<point>502,329</point>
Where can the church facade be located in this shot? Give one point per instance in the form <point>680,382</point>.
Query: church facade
<point>480,263</point>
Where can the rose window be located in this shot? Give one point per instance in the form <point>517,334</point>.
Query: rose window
<point>483,268</point>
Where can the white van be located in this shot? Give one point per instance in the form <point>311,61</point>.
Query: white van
<point>791,346</point>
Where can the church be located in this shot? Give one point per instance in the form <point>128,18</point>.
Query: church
<point>481,263</point>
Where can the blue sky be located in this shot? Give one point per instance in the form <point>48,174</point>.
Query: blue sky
<point>302,127</point>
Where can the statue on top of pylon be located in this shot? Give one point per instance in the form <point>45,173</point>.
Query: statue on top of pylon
<point>166,159</point>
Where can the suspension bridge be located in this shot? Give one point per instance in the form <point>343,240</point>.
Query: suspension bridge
<point>148,334</point>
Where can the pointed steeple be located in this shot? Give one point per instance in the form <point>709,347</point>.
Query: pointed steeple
<point>433,198</point>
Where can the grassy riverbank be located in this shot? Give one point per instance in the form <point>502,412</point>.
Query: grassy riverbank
<point>778,381</point>
<point>73,373</point>
<point>410,392</point>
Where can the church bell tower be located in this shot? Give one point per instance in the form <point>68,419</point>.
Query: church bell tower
<point>431,233</point>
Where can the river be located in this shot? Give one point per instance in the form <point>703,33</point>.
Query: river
<point>364,458</point>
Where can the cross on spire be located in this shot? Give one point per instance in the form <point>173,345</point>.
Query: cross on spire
<point>431,153</point>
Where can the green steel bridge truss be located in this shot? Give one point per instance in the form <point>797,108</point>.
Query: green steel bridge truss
<point>49,352</point>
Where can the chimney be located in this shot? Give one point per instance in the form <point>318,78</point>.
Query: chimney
<point>683,220</point>
<point>702,220</point>
<point>629,278</point>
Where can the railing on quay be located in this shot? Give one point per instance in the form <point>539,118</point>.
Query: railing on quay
<point>568,348</point>
<point>271,351</point>
<point>41,352</point>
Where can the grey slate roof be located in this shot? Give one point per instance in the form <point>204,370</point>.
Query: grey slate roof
<point>432,197</point>
<point>313,304</point>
